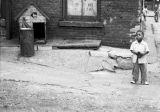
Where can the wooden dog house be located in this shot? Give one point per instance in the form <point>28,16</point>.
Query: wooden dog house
<point>32,17</point>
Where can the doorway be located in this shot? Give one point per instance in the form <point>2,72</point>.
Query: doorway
<point>39,32</point>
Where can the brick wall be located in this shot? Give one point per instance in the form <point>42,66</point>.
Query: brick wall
<point>120,17</point>
<point>5,19</point>
<point>2,29</point>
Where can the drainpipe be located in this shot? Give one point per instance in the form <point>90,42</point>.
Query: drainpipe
<point>141,8</point>
<point>143,3</point>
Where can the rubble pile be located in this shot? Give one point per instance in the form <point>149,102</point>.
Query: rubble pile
<point>110,60</point>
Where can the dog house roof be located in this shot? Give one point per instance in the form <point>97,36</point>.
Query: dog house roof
<point>26,9</point>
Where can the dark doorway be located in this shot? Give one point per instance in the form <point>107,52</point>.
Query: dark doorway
<point>39,31</point>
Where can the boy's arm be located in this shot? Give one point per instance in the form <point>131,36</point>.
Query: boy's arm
<point>132,49</point>
<point>147,50</point>
<point>147,10</point>
<point>134,52</point>
<point>145,53</point>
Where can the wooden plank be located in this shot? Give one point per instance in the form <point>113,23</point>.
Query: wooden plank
<point>81,24</point>
<point>79,44</point>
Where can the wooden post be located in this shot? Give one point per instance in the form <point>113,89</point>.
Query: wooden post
<point>0,8</point>
<point>8,18</point>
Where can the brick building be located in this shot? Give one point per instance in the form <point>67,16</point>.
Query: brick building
<point>5,19</point>
<point>106,20</point>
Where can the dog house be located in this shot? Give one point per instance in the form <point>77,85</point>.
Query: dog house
<point>34,18</point>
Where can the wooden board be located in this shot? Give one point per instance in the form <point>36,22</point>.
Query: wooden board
<point>79,44</point>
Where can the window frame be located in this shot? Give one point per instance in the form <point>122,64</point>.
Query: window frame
<point>80,18</point>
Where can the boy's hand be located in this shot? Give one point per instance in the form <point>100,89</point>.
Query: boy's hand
<point>134,52</point>
<point>142,54</point>
<point>139,55</point>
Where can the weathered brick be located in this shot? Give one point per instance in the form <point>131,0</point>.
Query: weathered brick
<point>2,31</point>
<point>120,16</point>
<point>2,22</point>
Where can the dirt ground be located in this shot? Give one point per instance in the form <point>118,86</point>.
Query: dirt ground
<point>32,97</point>
<point>69,91</point>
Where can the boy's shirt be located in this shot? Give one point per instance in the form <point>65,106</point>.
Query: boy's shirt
<point>158,10</point>
<point>145,10</point>
<point>142,48</point>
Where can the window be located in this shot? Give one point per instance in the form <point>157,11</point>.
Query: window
<point>81,9</point>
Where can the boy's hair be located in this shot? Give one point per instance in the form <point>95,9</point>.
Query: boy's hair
<point>145,6</point>
<point>140,31</point>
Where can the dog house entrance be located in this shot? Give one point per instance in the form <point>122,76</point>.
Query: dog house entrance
<point>32,17</point>
<point>39,32</point>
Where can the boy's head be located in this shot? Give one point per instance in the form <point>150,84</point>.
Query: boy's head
<point>145,6</point>
<point>139,35</point>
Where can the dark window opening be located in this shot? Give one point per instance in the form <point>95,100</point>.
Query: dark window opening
<point>39,31</point>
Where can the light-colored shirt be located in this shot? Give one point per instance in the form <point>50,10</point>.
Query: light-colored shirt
<point>142,48</point>
<point>145,10</point>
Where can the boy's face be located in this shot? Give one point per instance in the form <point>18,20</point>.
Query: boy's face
<point>139,36</point>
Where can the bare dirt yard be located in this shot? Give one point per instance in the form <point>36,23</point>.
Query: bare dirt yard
<point>30,87</point>
<point>111,95</point>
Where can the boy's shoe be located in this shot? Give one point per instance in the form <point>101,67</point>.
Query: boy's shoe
<point>133,82</point>
<point>145,83</point>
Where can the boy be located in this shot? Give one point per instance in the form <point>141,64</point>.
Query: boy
<point>145,11</point>
<point>140,49</point>
<point>157,10</point>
